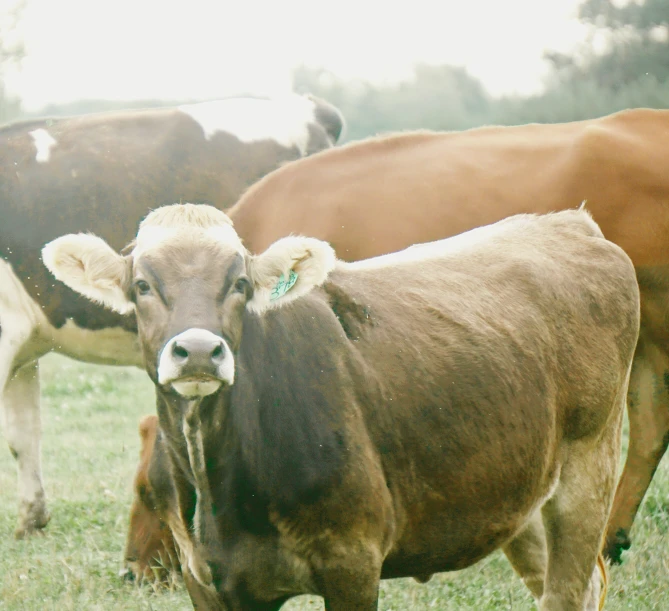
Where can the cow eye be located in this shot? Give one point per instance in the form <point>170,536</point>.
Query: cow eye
<point>242,284</point>
<point>142,287</point>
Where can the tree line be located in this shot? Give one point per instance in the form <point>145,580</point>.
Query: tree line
<point>632,70</point>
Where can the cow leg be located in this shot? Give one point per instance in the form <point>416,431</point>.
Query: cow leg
<point>648,411</point>
<point>575,519</point>
<point>22,427</point>
<point>528,555</point>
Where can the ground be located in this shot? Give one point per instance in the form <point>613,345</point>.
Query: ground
<point>90,449</point>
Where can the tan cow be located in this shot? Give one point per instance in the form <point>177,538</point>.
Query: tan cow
<point>330,424</point>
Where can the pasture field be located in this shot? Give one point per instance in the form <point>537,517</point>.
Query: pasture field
<point>90,450</point>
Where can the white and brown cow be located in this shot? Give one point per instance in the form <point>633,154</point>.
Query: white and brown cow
<point>103,173</point>
<point>330,424</point>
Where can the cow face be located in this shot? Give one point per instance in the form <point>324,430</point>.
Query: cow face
<point>189,280</point>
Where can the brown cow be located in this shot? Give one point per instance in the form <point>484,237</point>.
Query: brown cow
<point>103,173</point>
<point>330,424</point>
<point>150,552</point>
<point>384,194</point>
<point>381,195</point>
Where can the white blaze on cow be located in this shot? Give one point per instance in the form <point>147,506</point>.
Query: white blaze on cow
<point>254,120</point>
<point>44,142</point>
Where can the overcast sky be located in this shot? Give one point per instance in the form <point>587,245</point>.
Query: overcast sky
<point>124,49</point>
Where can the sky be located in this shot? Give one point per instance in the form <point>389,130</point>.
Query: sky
<point>203,49</point>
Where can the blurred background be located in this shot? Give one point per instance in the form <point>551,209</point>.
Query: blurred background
<point>436,64</point>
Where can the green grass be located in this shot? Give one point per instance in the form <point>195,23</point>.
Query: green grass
<point>90,447</point>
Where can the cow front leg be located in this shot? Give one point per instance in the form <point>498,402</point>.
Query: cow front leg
<point>23,431</point>
<point>648,412</point>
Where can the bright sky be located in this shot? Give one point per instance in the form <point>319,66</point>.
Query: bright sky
<point>198,49</point>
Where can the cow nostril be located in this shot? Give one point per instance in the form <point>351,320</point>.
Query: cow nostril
<point>217,352</point>
<point>179,351</point>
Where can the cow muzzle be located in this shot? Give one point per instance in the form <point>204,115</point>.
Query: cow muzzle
<point>196,363</point>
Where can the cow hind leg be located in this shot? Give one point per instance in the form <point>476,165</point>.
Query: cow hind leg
<point>528,555</point>
<point>575,519</point>
<point>22,428</point>
<point>648,411</point>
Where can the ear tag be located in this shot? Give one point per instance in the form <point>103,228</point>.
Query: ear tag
<point>283,285</point>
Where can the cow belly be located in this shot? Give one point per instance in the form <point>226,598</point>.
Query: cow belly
<point>448,531</point>
<point>113,346</point>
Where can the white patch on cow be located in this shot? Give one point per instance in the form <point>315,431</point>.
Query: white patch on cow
<point>153,236</point>
<point>19,316</point>
<point>456,245</point>
<point>283,119</point>
<point>44,142</point>
<point>169,369</point>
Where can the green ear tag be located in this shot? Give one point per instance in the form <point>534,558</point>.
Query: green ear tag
<point>283,285</point>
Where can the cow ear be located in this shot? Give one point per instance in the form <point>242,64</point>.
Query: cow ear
<point>288,269</point>
<point>89,266</point>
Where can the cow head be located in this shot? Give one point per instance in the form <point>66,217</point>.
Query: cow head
<point>189,279</point>
<point>150,552</point>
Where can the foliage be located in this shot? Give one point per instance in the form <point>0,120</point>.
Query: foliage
<point>436,97</point>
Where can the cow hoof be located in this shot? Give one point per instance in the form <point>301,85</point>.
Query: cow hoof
<point>615,547</point>
<point>33,517</point>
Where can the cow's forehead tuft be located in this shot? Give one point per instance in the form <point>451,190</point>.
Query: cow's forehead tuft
<point>180,215</point>
<point>153,238</point>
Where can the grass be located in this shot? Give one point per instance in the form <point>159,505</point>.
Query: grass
<point>90,447</point>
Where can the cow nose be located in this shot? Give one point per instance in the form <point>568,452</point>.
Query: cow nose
<point>196,362</point>
<point>198,351</point>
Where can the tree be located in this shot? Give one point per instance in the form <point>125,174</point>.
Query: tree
<point>435,97</point>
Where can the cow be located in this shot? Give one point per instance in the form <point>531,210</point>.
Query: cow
<point>104,172</point>
<point>150,553</point>
<point>383,194</point>
<point>330,424</point>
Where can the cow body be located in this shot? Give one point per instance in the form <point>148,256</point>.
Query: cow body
<point>384,194</point>
<point>103,173</point>
<point>331,424</point>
